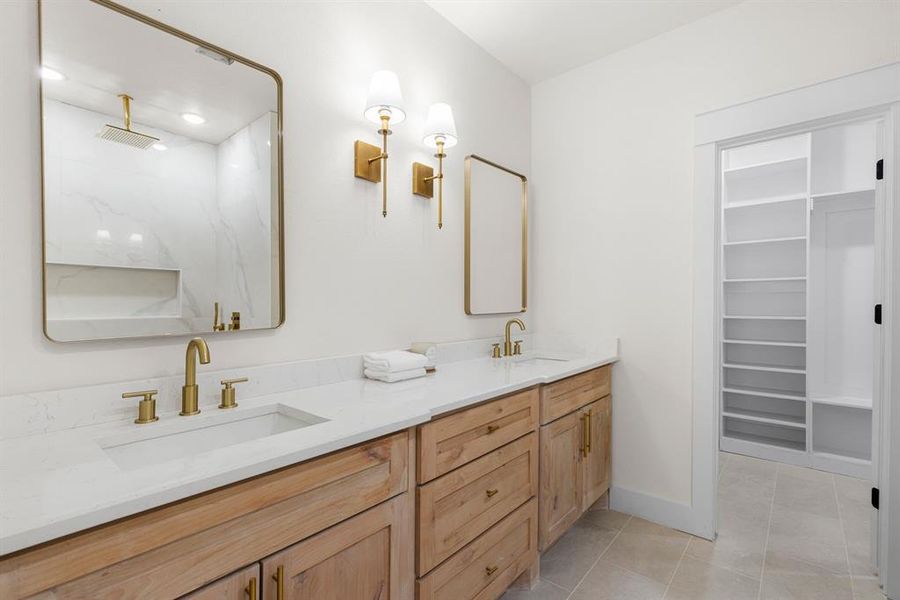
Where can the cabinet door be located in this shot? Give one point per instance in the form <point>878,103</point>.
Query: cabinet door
<point>596,462</point>
<point>368,557</point>
<point>240,585</point>
<point>562,446</point>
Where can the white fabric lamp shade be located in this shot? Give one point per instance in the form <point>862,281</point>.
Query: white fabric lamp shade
<point>440,124</point>
<point>384,94</point>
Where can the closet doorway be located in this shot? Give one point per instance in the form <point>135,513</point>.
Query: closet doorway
<point>796,213</point>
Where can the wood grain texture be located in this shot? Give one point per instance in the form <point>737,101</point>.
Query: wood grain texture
<point>231,587</point>
<point>367,557</point>
<point>458,507</point>
<point>597,462</point>
<point>452,441</point>
<point>567,395</point>
<point>487,566</point>
<point>175,549</point>
<point>561,476</point>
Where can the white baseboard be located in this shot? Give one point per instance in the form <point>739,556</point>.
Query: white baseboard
<point>665,512</point>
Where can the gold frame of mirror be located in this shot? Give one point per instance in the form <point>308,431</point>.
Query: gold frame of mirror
<point>276,77</point>
<point>468,235</point>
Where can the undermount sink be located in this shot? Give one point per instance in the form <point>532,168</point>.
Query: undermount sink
<point>194,435</point>
<point>538,360</point>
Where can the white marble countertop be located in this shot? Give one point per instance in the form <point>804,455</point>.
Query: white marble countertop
<point>58,483</point>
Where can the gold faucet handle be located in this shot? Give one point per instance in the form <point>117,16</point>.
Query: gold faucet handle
<point>517,347</point>
<point>229,397</point>
<point>146,407</point>
<point>495,351</point>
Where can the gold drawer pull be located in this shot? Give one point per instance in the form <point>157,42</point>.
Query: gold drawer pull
<point>493,428</point>
<point>492,493</point>
<point>490,570</point>
<point>279,582</point>
<point>251,588</point>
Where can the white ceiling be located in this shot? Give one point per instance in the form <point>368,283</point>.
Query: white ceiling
<point>539,39</point>
<point>103,53</point>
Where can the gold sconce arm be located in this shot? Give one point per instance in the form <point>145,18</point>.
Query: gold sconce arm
<point>424,178</point>
<point>370,162</point>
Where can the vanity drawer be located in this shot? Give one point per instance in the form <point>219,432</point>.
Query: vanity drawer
<point>178,548</point>
<point>454,440</point>
<point>458,507</point>
<point>487,566</point>
<point>562,397</point>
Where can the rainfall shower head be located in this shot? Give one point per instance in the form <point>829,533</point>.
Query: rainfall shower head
<point>126,135</point>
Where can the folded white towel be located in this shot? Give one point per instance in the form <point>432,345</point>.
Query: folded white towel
<point>396,375</point>
<point>394,361</point>
<point>426,348</point>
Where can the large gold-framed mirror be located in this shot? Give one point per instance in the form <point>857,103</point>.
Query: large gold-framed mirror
<point>496,238</point>
<point>162,179</point>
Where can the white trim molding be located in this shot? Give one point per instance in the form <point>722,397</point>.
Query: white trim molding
<point>873,92</point>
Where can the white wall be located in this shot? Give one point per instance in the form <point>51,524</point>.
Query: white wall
<point>612,153</point>
<point>355,281</point>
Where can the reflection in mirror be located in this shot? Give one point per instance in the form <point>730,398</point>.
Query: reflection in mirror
<point>496,238</point>
<point>162,180</point>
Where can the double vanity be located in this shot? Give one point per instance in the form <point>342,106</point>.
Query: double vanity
<point>445,487</point>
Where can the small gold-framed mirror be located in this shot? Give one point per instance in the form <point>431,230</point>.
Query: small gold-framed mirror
<point>496,238</point>
<point>162,179</point>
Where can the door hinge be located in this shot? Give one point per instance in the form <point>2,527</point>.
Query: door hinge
<point>878,314</point>
<point>875,498</point>
<point>879,169</point>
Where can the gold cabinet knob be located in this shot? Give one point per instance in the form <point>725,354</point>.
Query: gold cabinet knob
<point>146,407</point>
<point>490,570</point>
<point>229,397</point>
<point>492,492</point>
<point>492,428</point>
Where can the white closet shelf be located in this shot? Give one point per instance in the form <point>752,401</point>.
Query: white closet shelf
<point>841,457</point>
<point>766,368</point>
<point>758,416</point>
<point>765,317</point>
<point>769,165</point>
<point>756,279</point>
<point>766,343</point>
<point>798,238</point>
<point>845,401</point>
<point>764,392</point>
<point>825,195</point>
<point>766,441</point>
<point>767,200</point>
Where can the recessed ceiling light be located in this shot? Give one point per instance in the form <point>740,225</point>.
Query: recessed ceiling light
<point>136,238</point>
<point>193,119</point>
<point>51,74</point>
<point>103,234</point>
<point>160,147</point>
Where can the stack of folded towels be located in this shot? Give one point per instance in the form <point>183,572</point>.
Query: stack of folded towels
<point>395,365</point>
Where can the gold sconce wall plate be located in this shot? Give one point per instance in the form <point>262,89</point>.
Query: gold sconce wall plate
<point>364,165</point>
<point>423,180</point>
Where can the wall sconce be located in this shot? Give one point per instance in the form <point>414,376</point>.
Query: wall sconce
<point>383,106</point>
<point>440,133</point>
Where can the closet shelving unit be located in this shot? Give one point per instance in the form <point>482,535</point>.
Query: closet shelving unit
<point>797,290</point>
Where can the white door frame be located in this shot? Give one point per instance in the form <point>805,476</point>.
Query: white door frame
<point>875,92</point>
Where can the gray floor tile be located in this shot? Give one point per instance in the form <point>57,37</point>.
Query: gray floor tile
<point>698,580</point>
<point>795,586</point>
<point>607,581</point>
<point>866,588</point>
<point>570,558</point>
<point>544,590</point>
<point>648,549</point>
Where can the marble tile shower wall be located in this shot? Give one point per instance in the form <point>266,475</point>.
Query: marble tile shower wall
<point>109,205</point>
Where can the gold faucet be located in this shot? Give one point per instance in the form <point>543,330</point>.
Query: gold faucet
<point>189,402</point>
<point>508,345</point>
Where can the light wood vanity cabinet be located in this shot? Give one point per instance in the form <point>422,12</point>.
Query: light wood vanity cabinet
<point>477,508</point>
<point>179,548</point>
<point>453,510</point>
<point>575,439</point>
<point>368,556</point>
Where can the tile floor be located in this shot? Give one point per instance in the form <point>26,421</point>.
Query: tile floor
<point>785,533</point>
